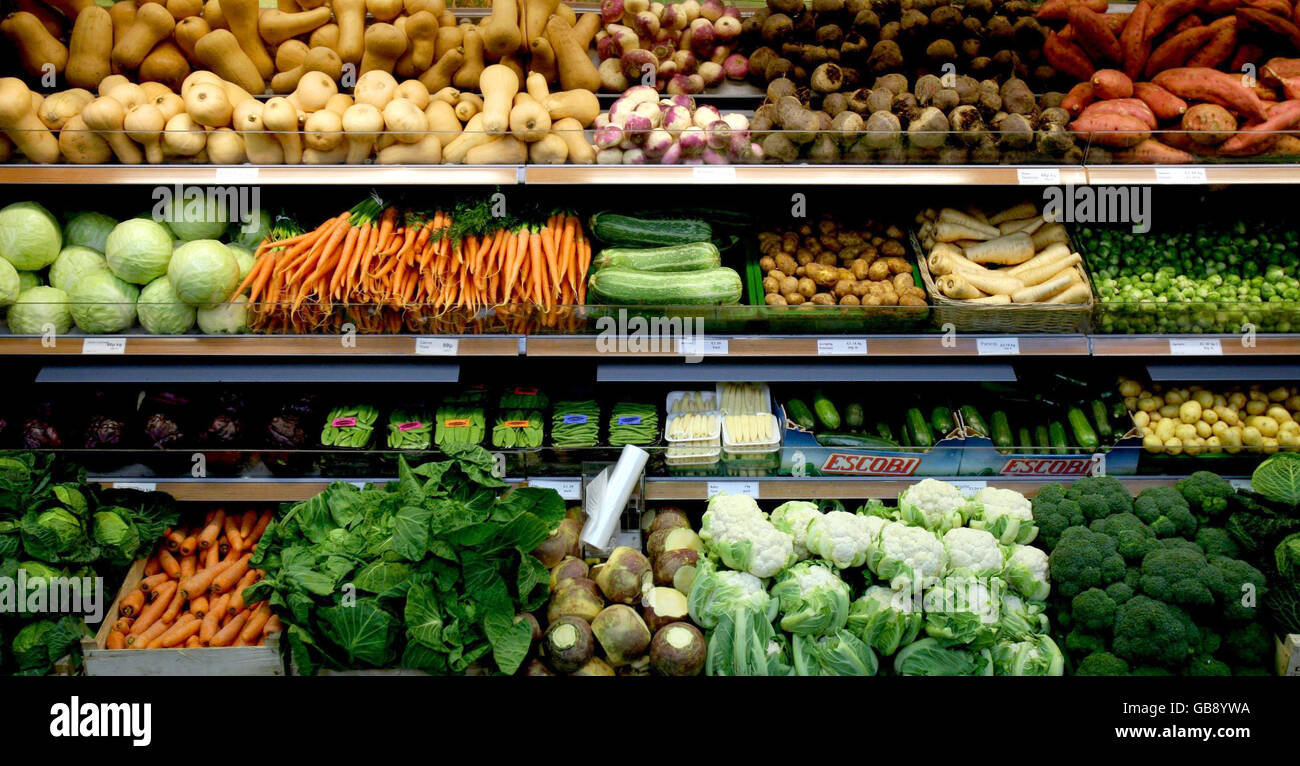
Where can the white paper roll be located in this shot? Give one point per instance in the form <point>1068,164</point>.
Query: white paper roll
<point>602,524</point>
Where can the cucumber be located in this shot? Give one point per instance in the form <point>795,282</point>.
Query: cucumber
<point>1056,433</point>
<point>1001,431</point>
<point>920,430</point>
<point>1084,436</point>
<point>941,420</point>
<point>696,256</point>
<point>855,440</point>
<point>974,420</point>
<point>854,415</point>
<point>826,412</point>
<point>629,287</point>
<point>1023,439</point>
<point>800,414</point>
<point>626,231</point>
<point>885,432</point>
<point>1102,418</point>
<point>1042,440</point>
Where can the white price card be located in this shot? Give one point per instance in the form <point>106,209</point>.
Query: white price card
<point>236,175</point>
<point>142,486</point>
<point>569,489</point>
<point>1195,347</point>
<point>358,484</point>
<point>1180,175</point>
<point>997,346</point>
<point>1038,176</point>
<point>437,346</point>
<point>842,347</point>
<point>747,488</point>
<point>713,174</point>
<point>969,487</point>
<point>1240,483</point>
<point>699,346</point>
<point>103,346</point>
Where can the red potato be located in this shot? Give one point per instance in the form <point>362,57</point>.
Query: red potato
<point>1079,96</point>
<point>1126,107</point>
<point>1201,84</point>
<point>1259,138</point>
<point>1220,47</point>
<point>1060,9</point>
<point>1094,36</point>
<point>1209,124</point>
<point>1067,58</point>
<point>1175,51</point>
<point>1165,14</point>
<point>1165,105</point>
<point>1111,83</point>
<point>1113,131</point>
<point>1135,46</point>
<point>1152,152</point>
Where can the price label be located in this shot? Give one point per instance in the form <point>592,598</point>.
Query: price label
<point>842,347</point>
<point>1038,176</point>
<point>142,486</point>
<point>747,488</point>
<point>1240,483</point>
<point>1195,347</point>
<point>629,420</point>
<point>236,175</point>
<point>997,346</point>
<point>437,346</point>
<point>713,174</point>
<point>409,426</point>
<point>703,346</point>
<point>969,487</point>
<point>569,489</point>
<point>575,420</point>
<point>358,484</point>
<point>103,346</point>
<point>1180,176</point>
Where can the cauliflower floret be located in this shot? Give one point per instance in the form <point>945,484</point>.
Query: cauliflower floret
<point>933,504</point>
<point>972,550</point>
<point>793,519</point>
<point>1027,571</point>
<point>905,554</point>
<point>740,534</point>
<point>840,537</point>
<point>1001,501</point>
<point>1007,514</point>
<point>874,524</point>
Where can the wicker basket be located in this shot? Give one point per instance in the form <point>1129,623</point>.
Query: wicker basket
<point>1009,318</point>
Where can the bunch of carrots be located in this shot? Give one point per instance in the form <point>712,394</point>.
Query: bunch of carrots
<point>385,270</point>
<point>192,592</point>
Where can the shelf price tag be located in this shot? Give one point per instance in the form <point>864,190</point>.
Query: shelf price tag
<point>1038,176</point>
<point>1240,483</point>
<point>1180,176</point>
<point>103,346</point>
<point>997,346</point>
<point>142,486</point>
<point>358,484</point>
<point>1195,347</point>
<point>842,347</point>
<point>969,487</point>
<point>235,175</point>
<point>698,346</point>
<point>747,488</point>
<point>569,489</point>
<point>437,346</point>
<point>713,174</point>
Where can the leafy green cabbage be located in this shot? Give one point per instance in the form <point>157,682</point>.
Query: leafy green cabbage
<point>193,218</point>
<point>225,318</point>
<point>29,236</point>
<point>29,279</point>
<point>250,236</point>
<point>73,263</point>
<point>244,257</point>
<point>37,307</point>
<point>161,310</point>
<point>1278,478</point>
<point>10,283</point>
<point>204,272</point>
<point>102,303</point>
<point>138,250</point>
<point>88,229</point>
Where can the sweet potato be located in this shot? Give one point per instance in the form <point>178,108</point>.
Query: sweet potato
<point>1247,53</point>
<point>1285,146</point>
<point>1186,143</point>
<point>1259,138</point>
<point>1175,51</point>
<point>1275,70</point>
<point>1094,36</point>
<point>1220,7</point>
<point>1209,124</point>
<point>1266,24</point>
<point>1220,47</point>
<point>1056,10</point>
<point>1111,83</point>
<point>1201,84</point>
<point>1152,152</point>
<point>1276,7</point>
<point>1190,21</point>
<point>1291,87</point>
<point>1115,22</point>
<point>1125,107</point>
<point>1114,131</point>
<point>1164,105</point>
<point>1165,14</point>
<point>1135,46</point>
<point>1079,96</point>
<point>1067,58</point>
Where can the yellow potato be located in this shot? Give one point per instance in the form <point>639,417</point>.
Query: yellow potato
<point>1175,396</point>
<point>1148,404</point>
<point>1288,439</point>
<point>1278,394</point>
<point>1130,403</point>
<point>1190,411</point>
<point>1170,411</point>
<point>1185,432</point>
<point>1165,430</point>
<point>1209,415</point>
<point>1153,443</point>
<point>1213,444</point>
<point>1251,437</point>
<point>1270,446</point>
<point>1173,446</point>
<point>1203,430</point>
<point>1203,398</point>
<point>1129,387</point>
<point>1256,407</point>
<point>1141,419</point>
<point>1220,400</point>
<point>1237,400</point>
<point>1279,414</point>
<point>1267,426</point>
<point>1218,428</point>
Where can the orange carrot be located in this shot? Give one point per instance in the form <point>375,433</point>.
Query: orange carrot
<point>152,566</point>
<point>187,545</point>
<point>188,565</point>
<point>174,608</point>
<point>193,642</point>
<point>226,635</point>
<point>232,533</point>
<point>115,640</point>
<point>212,556</point>
<point>226,579</point>
<point>200,582</point>
<point>208,537</point>
<point>153,581</point>
<point>199,606</point>
<point>174,539</point>
<point>260,529</point>
<point>131,604</point>
<point>246,524</point>
<point>169,564</point>
<point>188,625</point>
<point>273,625</point>
<point>140,637</point>
<point>253,628</point>
<point>236,602</point>
<point>212,620</point>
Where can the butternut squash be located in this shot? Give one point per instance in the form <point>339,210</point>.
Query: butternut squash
<point>535,86</point>
<point>439,76</point>
<point>449,39</point>
<point>350,15</point>
<point>446,18</point>
<point>468,105</point>
<point>105,115</point>
<point>169,104</point>
<point>413,91</point>
<point>467,76</point>
<point>109,83</point>
<point>427,151</point>
<point>362,123</point>
<point>52,20</point>
<point>472,136</point>
<point>511,60</point>
<point>575,138</point>
<point>90,48</point>
<point>323,131</point>
<point>442,120</point>
<point>214,15</point>
<point>122,14</point>
<point>184,9</point>
<point>129,95</point>
<point>226,147</point>
<point>549,150</point>
<point>314,91</point>
<point>242,15</point>
<point>280,117</point>
<point>447,94</point>
<point>219,51</point>
<point>70,8</point>
<point>576,69</point>
<point>536,12</point>
<point>422,31</point>
<point>567,13</point>
<point>35,46</point>
<point>384,45</point>
<point>325,36</point>
<point>582,105</point>
<point>144,125</point>
<point>6,148</point>
<point>308,5</point>
<point>501,35</point>
<point>541,59</point>
<point>384,10</point>
<point>319,59</point>
<point>152,25</point>
<point>339,103</point>
<point>153,90</point>
<point>290,54</point>
<point>236,94</point>
<point>528,119</point>
<point>503,150</point>
<point>585,28</point>
<point>332,157</point>
<point>166,64</point>
<point>58,108</point>
<point>208,105</point>
<point>375,88</point>
<point>183,137</point>
<point>187,34</point>
<point>499,85</point>
<point>81,146</point>
<point>435,7</point>
<point>405,121</point>
<point>278,26</point>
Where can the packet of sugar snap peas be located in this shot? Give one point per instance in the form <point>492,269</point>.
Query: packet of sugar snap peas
<point>409,429</point>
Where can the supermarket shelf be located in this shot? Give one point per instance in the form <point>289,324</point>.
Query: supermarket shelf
<point>820,175</point>
<point>302,175</point>
<point>143,344</point>
<point>812,372</point>
<point>1105,175</point>
<point>170,373</point>
<point>837,346</point>
<point>1174,371</point>
<point>1195,345</point>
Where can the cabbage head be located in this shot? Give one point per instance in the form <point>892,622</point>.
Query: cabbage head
<point>138,250</point>
<point>29,236</point>
<point>10,283</point>
<point>244,257</point>
<point>88,229</point>
<point>1278,478</point>
<point>102,303</point>
<point>225,318</point>
<point>29,279</point>
<point>29,647</point>
<point>204,272</point>
<point>161,310</point>
<point>117,535</point>
<point>250,235</point>
<point>36,570</point>
<point>64,526</point>
<point>73,263</point>
<point>38,306</point>
<point>195,217</point>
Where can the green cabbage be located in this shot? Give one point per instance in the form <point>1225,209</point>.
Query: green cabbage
<point>161,310</point>
<point>257,230</point>
<point>88,229</point>
<point>29,236</point>
<point>204,272</point>
<point>10,283</point>
<point>102,303</point>
<point>225,318</point>
<point>116,534</point>
<point>29,279</point>
<point>65,527</point>
<point>244,257</point>
<point>29,645</point>
<point>1278,478</point>
<point>138,250</point>
<point>73,263</point>
<point>38,306</point>
<point>194,218</point>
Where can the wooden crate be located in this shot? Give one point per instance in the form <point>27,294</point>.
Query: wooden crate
<point>262,660</point>
<point>1288,655</point>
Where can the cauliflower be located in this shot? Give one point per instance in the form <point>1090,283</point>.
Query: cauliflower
<point>793,518</point>
<point>963,611</point>
<point>736,531</point>
<point>972,551</point>
<point>814,600</point>
<point>1007,514</point>
<point>842,538</point>
<point>933,504</point>
<point>905,554</point>
<point>718,593</point>
<point>1027,572</point>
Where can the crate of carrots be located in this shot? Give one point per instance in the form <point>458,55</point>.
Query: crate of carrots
<point>187,598</point>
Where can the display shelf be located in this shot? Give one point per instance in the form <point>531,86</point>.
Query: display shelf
<point>1195,345</point>
<point>143,344</point>
<point>819,175</point>
<point>290,175</point>
<point>1235,173</point>
<point>726,371</point>
<point>835,346</point>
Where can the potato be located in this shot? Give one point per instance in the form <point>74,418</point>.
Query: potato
<point>771,285</point>
<point>794,299</point>
<point>879,270</point>
<point>842,288</point>
<point>772,299</point>
<point>787,285</point>
<point>859,268</point>
<point>767,263</point>
<point>786,264</point>
<point>807,288</point>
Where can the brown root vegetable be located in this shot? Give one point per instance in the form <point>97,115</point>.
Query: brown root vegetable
<point>799,123</point>
<point>622,634</point>
<point>678,649</point>
<point>1017,97</point>
<point>886,55</point>
<point>827,78</point>
<point>928,130</point>
<point>624,576</point>
<point>824,151</point>
<point>968,124</point>
<point>925,89</point>
<point>881,131</point>
<point>663,605</point>
<point>569,644</point>
<point>578,597</point>
<point>595,667</point>
<point>669,563</point>
<point>895,83</point>
<point>779,148</point>
<point>1209,124</point>
<point>941,51</point>
<point>1054,139</point>
<point>536,667</point>
<point>1014,131</point>
<point>777,28</point>
<point>562,542</point>
<point>569,569</point>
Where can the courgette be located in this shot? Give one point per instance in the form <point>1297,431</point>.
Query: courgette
<point>696,256</point>
<point>630,287</point>
<point>1056,435</point>
<point>854,415</point>
<point>855,440</point>
<point>885,431</point>
<point>1084,436</point>
<point>826,412</point>
<point>920,430</point>
<point>800,414</point>
<point>974,420</point>
<point>1102,419</point>
<point>941,420</point>
<point>626,231</point>
<point>1001,431</point>
<point>1042,440</point>
<point>1023,440</point>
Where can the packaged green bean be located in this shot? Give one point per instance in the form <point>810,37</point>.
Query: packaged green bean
<point>575,424</point>
<point>633,423</point>
<point>458,426</point>
<point>523,398</point>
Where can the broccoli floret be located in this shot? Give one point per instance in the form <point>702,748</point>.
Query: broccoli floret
<point>1210,640</point>
<point>1133,539</point>
<point>1053,514</point>
<point>1102,664</point>
<point>1180,576</point>
<point>1051,493</point>
<point>1147,630</point>
<point>1205,665</point>
<point>1207,494</point>
<point>1216,542</point>
<point>1119,592</point>
<point>1094,609</point>
<point>1081,642</point>
<point>1178,544</point>
<point>1084,559</point>
<point>1239,588</point>
<point>1166,512</point>
<point>1248,644</point>
<point>1100,496</point>
<point>1149,670</point>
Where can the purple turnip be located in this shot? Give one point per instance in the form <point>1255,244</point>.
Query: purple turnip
<point>562,542</point>
<point>702,37</point>
<point>673,156</point>
<point>608,136</point>
<point>678,649</point>
<point>686,62</point>
<point>692,140</point>
<point>638,63</point>
<point>736,66</point>
<point>705,116</point>
<point>669,563</point>
<point>662,606</point>
<point>612,156</point>
<point>646,25</point>
<point>569,569</point>
<point>608,47</point>
<point>611,11</point>
<point>569,644</point>
<point>674,17</point>
<point>677,119</point>
<point>656,145</point>
<point>595,667</point>
<point>711,9</point>
<point>726,29</point>
<point>622,634</point>
<point>634,157</point>
<point>711,72</point>
<point>718,135</point>
<point>711,156</point>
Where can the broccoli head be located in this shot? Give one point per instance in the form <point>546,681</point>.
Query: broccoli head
<point>1053,514</point>
<point>1119,592</point>
<point>1081,642</point>
<point>1180,576</point>
<point>1248,644</point>
<point>1100,496</point>
<point>1239,588</point>
<point>1133,538</point>
<point>1093,609</point>
<point>1205,665</point>
<point>1151,670</point>
<point>1147,630</point>
<point>1101,664</point>
<point>1084,559</point>
<point>1207,493</point>
<point>1178,544</point>
<point>1166,512</point>
<point>1214,541</point>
